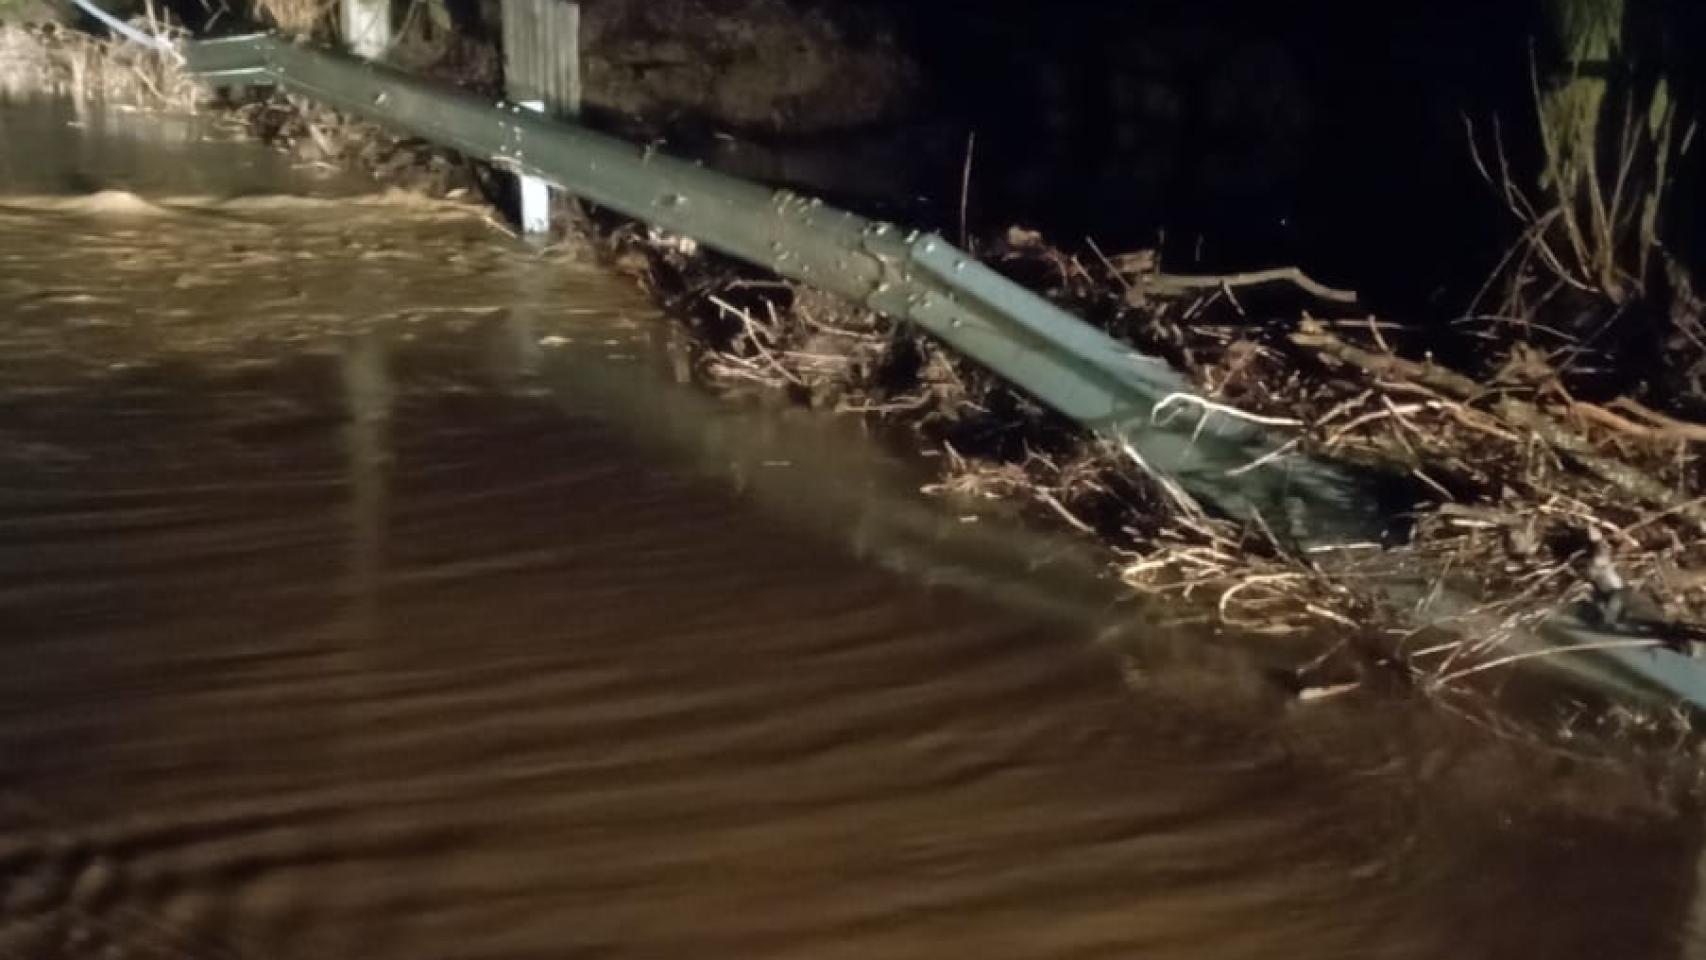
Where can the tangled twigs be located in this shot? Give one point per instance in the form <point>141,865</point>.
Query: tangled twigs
<point>1315,335</point>
<point>1506,484</point>
<point>1184,501</point>
<point>756,336</point>
<point>55,60</point>
<point>1514,416</point>
<point>1271,597</point>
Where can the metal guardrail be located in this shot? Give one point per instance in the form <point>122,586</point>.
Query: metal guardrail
<point>1063,362</point>
<point>1066,364</point>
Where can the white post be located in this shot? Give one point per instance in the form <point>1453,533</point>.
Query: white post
<point>366,27</point>
<point>535,193</point>
<point>542,72</point>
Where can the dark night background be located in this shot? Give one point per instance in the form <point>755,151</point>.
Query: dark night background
<point>1247,134</point>
<point>1377,189</point>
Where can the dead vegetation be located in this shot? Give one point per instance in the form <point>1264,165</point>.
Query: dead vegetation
<point>304,18</point>
<point>1545,463</point>
<point>1588,280</point>
<point>37,59</point>
<point>323,139</point>
<point>1520,498</point>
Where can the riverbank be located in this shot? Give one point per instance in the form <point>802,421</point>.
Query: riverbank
<point>1510,484</point>
<point>1505,487</point>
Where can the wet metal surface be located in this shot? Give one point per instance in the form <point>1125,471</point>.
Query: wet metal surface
<point>370,587</point>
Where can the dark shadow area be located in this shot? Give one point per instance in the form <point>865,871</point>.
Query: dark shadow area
<point>1231,134</point>
<point>1244,134</point>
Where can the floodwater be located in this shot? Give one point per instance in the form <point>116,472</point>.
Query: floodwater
<point>371,585</point>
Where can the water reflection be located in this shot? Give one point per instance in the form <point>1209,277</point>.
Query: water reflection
<point>76,147</point>
<point>367,391</point>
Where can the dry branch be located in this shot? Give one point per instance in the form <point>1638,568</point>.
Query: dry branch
<point>1163,284</point>
<point>1510,411</point>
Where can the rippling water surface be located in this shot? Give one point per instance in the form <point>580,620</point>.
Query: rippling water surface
<point>371,587</point>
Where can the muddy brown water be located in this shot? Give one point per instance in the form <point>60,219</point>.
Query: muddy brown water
<point>372,586</point>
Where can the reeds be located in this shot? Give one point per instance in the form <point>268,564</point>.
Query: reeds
<point>1591,226</point>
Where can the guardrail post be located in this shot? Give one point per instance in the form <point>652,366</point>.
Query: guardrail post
<point>541,72</point>
<point>366,26</point>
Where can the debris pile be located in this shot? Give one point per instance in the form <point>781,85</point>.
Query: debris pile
<point>1514,487</point>
<point>322,138</point>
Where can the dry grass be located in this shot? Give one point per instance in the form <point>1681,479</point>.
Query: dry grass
<point>1584,227</point>
<point>1589,262</point>
<point>49,59</point>
<point>305,18</point>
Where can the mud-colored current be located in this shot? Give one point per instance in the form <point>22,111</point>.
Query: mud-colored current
<point>372,586</point>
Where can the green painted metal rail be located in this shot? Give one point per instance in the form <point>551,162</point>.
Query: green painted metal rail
<point>1063,362</point>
